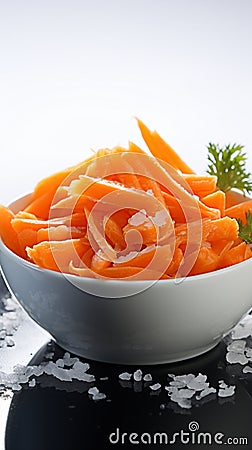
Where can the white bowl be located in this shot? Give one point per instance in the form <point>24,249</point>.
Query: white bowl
<point>149,323</point>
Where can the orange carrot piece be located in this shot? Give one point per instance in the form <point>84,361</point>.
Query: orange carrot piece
<point>234,255</point>
<point>206,261</point>
<point>175,263</point>
<point>240,210</point>
<point>56,255</point>
<point>27,238</point>
<point>98,263</point>
<point>49,184</point>
<point>221,246</point>
<point>41,206</point>
<point>114,234</point>
<point>224,228</point>
<point>146,256</point>
<point>7,233</point>
<point>58,233</point>
<point>235,197</point>
<point>161,150</point>
<point>136,273</point>
<point>215,200</point>
<point>52,182</point>
<point>201,185</point>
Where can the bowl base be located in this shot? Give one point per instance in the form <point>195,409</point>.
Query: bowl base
<point>137,359</point>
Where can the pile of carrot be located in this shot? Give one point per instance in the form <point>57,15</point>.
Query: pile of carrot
<point>129,214</point>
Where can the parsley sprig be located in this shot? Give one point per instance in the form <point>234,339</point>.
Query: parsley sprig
<point>228,164</point>
<point>245,230</point>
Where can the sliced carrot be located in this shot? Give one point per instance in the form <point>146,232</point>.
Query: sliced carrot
<point>20,224</point>
<point>56,255</point>
<point>224,228</point>
<point>136,273</point>
<point>27,237</point>
<point>175,263</point>
<point>87,257</point>
<point>29,221</point>
<point>59,233</point>
<point>114,233</point>
<point>215,200</point>
<point>201,185</point>
<point>98,263</point>
<point>49,184</point>
<point>174,207</point>
<point>145,257</point>
<point>7,233</point>
<point>235,197</point>
<point>239,211</point>
<point>40,207</point>
<point>52,182</point>
<point>206,261</point>
<point>234,255</point>
<point>161,150</point>
<point>221,246</point>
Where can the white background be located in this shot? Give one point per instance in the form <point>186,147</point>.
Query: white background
<point>73,74</point>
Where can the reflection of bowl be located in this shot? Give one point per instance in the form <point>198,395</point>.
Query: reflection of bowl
<point>148,323</point>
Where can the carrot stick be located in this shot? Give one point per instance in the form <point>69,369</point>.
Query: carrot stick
<point>7,233</point>
<point>235,197</point>
<point>161,150</point>
<point>234,255</point>
<point>56,255</point>
<point>201,185</point>
<point>215,200</point>
<point>206,261</point>
<point>240,210</point>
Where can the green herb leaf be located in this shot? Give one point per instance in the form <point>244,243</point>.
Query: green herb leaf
<point>245,230</point>
<point>228,165</point>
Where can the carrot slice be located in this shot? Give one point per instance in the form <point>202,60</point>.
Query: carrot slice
<point>58,233</point>
<point>145,257</point>
<point>161,150</point>
<point>206,261</point>
<point>114,233</point>
<point>40,206</point>
<point>7,233</point>
<point>56,255</point>
<point>201,185</point>
<point>240,210</point>
<point>235,197</point>
<point>234,255</point>
<point>215,200</point>
<point>98,263</point>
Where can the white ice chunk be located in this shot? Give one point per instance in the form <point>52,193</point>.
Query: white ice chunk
<point>247,369</point>
<point>185,393</point>
<point>137,375</point>
<point>243,329</point>
<point>147,377</point>
<point>155,387</point>
<point>93,390</point>
<point>205,392</point>
<point>237,346</point>
<point>125,376</point>
<point>248,353</point>
<point>198,383</point>
<point>227,391</point>
<point>236,358</point>
<point>99,396</point>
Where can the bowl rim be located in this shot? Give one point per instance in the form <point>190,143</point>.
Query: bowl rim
<point>178,280</point>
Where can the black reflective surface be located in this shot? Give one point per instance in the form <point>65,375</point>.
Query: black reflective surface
<point>57,415</point>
